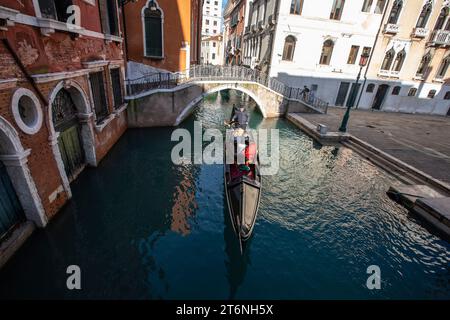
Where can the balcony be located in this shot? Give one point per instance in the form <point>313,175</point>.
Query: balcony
<point>391,28</point>
<point>419,33</point>
<point>389,73</point>
<point>440,38</point>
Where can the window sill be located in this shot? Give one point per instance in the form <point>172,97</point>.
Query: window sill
<point>121,109</point>
<point>154,57</point>
<point>438,80</point>
<point>50,26</point>
<point>113,38</point>
<point>100,126</point>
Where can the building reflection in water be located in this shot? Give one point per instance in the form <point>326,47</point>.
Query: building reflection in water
<point>184,204</point>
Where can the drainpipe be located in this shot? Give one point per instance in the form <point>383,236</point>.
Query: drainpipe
<point>373,50</point>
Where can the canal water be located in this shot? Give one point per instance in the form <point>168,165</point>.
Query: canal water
<point>140,227</point>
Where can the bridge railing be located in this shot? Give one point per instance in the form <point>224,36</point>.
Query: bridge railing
<point>155,81</point>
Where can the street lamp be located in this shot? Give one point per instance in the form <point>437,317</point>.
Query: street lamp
<point>362,63</point>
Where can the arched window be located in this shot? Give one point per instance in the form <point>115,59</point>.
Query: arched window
<point>441,19</point>
<point>412,92</point>
<point>370,88</point>
<point>431,94</point>
<point>327,51</point>
<point>396,90</point>
<point>423,66</point>
<point>425,15</point>
<point>395,11</point>
<point>443,68</point>
<point>153,30</point>
<point>289,48</point>
<point>388,59</point>
<point>447,95</point>
<point>399,60</point>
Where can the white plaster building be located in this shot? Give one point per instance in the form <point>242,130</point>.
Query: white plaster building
<point>212,50</point>
<point>320,45</point>
<point>212,17</point>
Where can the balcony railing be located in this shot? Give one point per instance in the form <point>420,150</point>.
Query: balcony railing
<point>391,28</point>
<point>222,73</point>
<point>440,37</point>
<point>420,33</point>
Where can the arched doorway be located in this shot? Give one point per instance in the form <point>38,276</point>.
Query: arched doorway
<point>65,122</point>
<point>11,211</point>
<point>19,199</point>
<point>380,97</point>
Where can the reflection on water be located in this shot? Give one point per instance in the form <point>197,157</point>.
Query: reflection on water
<point>140,227</point>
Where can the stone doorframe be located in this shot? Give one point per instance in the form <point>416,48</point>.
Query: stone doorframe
<point>81,101</point>
<point>15,159</point>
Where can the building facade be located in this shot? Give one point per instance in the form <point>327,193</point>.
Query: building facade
<point>409,68</point>
<point>234,25</point>
<point>162,35</point>
<point>320,46</point>
<point>61,101</point>
<point>212,50</point>
<point>212,17</point>
<point>259,34</point>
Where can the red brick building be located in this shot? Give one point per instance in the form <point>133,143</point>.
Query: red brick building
<point>234,26</point>
<point>164,34</point>
<point>61,101</point>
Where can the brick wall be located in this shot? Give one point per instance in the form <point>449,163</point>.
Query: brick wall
<point>59,52</point>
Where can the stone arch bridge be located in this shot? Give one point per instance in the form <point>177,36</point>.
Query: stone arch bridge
<point>166,99</point>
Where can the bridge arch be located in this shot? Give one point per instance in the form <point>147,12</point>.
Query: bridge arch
<point>213,87</point>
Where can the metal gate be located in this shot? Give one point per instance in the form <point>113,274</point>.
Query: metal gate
<point>69,141</point>
<point>11,211</point>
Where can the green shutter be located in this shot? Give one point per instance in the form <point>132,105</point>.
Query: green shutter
<point>153,36</point>
<point>10,209</point>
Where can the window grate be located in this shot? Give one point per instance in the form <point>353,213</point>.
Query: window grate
<point>98,93</point>
<point>117,87</point>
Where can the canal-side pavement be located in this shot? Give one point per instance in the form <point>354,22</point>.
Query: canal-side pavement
<point>419,140</point>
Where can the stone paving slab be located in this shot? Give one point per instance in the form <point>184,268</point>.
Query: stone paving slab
<point>421,141</point>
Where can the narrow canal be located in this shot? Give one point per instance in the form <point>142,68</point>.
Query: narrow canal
<point>140,227</point>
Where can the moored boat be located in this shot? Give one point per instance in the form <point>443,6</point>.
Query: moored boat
<point>242,182</point>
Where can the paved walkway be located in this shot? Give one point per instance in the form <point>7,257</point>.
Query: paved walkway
<point>419,140</point>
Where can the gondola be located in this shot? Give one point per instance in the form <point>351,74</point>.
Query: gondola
<point>242,187</point>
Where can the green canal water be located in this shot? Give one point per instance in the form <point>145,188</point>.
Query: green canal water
<point>140,227</point>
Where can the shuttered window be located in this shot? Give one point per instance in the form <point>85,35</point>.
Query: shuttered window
<point>117,87</point>
<point>99,95</point>
<point>153,32</point>
<point>55,9</point>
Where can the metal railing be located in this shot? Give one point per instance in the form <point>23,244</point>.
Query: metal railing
<point>155,81</point>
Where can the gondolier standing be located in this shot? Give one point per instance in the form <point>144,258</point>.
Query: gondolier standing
<point>241,117</point>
